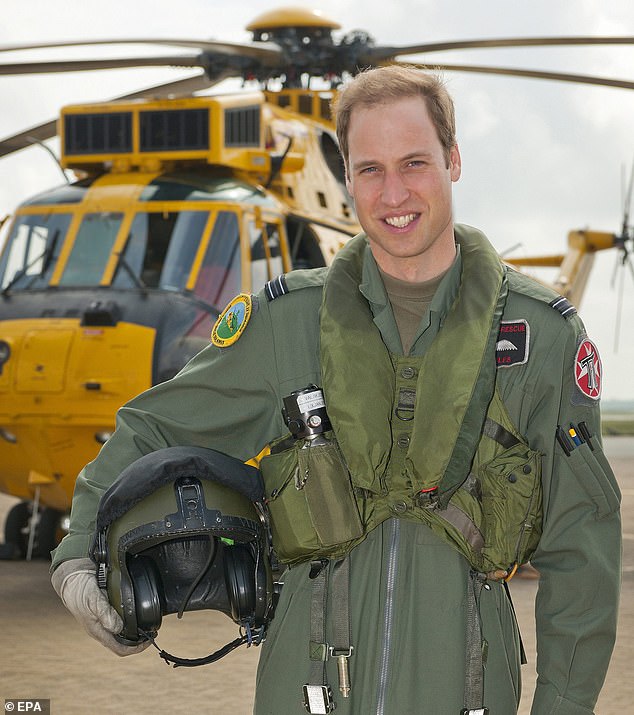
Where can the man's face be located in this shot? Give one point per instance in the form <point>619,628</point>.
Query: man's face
<point>401,185</point>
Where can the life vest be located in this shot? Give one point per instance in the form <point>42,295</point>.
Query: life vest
<point>425,437</point>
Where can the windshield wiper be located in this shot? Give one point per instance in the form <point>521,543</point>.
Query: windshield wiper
<point>46,257</point>
<point>137,280</point>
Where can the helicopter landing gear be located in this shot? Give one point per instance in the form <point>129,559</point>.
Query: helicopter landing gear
<point>30,532</point>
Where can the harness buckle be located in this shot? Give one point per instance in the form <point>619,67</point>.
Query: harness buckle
<point>318,699</point>
<point>342,655</point>
<point>427,498</point>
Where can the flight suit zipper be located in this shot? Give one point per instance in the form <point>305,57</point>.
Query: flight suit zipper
<point>388,614</point>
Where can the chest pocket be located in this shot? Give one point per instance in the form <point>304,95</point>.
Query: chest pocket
<point>495,517</point>
<point>310,499</point>
<point>512,507</point>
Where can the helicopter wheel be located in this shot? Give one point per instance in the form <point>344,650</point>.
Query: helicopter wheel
<point>49,531</point>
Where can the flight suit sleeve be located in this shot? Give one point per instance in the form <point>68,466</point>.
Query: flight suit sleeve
<point>224,399</point>
<point>579,554</point>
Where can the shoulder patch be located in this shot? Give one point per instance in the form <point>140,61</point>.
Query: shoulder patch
<point>512,346</point>
<point>588,369</point>
<point>276,288</point>
<point>232,321</point>
<point>564,306</point>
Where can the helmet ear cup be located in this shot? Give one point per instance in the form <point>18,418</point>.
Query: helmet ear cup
<point>239,569</point>
<point>146,582</point>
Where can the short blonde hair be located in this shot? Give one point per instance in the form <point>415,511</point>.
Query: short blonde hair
<point>384,84</point>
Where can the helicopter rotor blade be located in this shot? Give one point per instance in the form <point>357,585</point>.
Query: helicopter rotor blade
<point>48,130</point>
<point>21,68</point>
<point>530,74</point>
<point>619,312</point>
<point>628,262</point>
<point>382,53</point>
<point>627,201</point>
<point>265,52</point>
<point>615,271</point>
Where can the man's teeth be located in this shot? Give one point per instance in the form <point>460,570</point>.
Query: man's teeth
<point>400,221</point>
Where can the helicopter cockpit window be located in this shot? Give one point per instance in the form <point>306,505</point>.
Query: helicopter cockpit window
<point>32,249</point>
<point>220,275</point>
<point>273,237</point>
<point>264,267</point>
<point>91,250</point>
<point>160,249</point>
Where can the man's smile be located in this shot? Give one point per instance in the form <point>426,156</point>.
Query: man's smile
<point>400,221</point>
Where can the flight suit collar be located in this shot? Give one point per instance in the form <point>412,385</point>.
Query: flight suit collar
<point>373,291</point>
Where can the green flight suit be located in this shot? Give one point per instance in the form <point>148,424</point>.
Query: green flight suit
<point>408,586</point>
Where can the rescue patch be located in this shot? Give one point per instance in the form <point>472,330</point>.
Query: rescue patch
<point>588,369</point>
<point>232,321</point>
<point>512,346</point>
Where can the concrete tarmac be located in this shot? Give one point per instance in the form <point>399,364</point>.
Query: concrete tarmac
<point>45,654</point>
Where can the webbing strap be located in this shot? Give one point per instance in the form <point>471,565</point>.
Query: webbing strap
<point>474,675</point>
<point>499,434</point>
<point>318,648</point>
<point>341,619</point>
<point>319,651</point>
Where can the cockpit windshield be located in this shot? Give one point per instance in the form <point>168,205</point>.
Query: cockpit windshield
<point>32,249</point>
<point>160,249</point>
<point>91,249</point>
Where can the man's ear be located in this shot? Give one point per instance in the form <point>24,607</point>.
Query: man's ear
<point>455,163</point>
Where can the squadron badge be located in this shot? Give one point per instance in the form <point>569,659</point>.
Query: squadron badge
<point>232,321</point>
<point>513,342</point>
<point>588,370</point>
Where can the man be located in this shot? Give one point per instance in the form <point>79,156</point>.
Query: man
<point>451,385</point>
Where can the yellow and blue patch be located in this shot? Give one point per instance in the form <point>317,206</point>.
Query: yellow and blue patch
<point>232,321</point>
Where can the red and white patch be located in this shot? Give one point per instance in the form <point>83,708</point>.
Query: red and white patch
<point>588,369</point>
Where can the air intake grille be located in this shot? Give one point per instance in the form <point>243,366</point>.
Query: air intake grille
<point>175,130</point>
<point>242,126</point>
<point>98,133</point>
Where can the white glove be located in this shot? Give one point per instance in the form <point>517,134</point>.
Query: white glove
<point>75,582</point>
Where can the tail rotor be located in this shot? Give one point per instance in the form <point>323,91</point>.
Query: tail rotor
<point>623,242</point>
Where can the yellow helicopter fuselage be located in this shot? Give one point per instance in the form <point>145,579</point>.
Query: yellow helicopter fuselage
<point>111,284</point>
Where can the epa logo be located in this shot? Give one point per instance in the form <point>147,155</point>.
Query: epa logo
<point>28,706</point>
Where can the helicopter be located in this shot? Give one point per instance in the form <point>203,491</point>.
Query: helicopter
<point>111,283</point>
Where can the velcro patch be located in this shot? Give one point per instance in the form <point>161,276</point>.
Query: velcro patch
<point>232,321</point>
<point>588,369</point>
<point>512,346</point>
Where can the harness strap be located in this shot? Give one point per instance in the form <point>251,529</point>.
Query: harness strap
<point>318,648</point>
<point>474,675</point>
<point>342,649</point>
<point>317,693</point>
<point>498,433</point>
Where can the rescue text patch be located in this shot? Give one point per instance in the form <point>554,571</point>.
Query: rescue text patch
<point>513,343</point>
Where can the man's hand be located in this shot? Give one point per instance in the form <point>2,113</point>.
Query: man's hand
<point>75,582</point>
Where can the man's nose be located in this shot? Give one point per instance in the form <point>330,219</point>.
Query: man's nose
<point>395,190</point>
